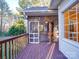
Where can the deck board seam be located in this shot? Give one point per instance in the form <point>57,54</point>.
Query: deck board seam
<point>49,55</point>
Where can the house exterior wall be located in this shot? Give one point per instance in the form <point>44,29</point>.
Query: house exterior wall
<point>68,47</point>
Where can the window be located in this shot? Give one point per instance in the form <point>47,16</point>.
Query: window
<point>71,23</point>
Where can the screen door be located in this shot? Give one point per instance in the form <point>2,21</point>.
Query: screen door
<point>33,31</point>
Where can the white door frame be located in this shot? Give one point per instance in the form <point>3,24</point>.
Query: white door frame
<point>33,33</point>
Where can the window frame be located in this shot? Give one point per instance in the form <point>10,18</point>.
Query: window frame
<point>67,18</point>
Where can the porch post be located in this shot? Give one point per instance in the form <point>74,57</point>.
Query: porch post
<point>50,32</point>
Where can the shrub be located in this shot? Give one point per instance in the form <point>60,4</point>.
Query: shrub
<point>17,28</point>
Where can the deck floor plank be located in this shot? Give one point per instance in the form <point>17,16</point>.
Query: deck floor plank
<point>39,51</point>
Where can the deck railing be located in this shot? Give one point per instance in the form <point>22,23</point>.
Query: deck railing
<point>11,47</point>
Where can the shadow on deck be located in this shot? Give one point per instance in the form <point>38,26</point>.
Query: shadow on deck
<point>41,51</point>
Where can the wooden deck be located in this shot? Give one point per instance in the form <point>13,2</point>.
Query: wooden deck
<point>41,51</point>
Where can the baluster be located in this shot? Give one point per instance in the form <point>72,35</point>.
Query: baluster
<point>7,50</point>
<point>3,51</point>
<point>19,47</point>
<point>12,50</point>
<point>10,46</point>
<point>21,44</point>
<point>15,48</point>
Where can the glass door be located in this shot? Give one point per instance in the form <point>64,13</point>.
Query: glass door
<point>33,31</point>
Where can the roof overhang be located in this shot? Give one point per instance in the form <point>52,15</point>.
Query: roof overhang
<point>44,11</point>
<point>41,12</point>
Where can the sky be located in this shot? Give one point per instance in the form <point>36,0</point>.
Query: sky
<point>12,4</point>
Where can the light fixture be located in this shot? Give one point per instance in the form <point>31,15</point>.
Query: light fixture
<point>46,22</point>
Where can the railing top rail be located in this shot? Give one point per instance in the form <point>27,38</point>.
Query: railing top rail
<point>11,38</point>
